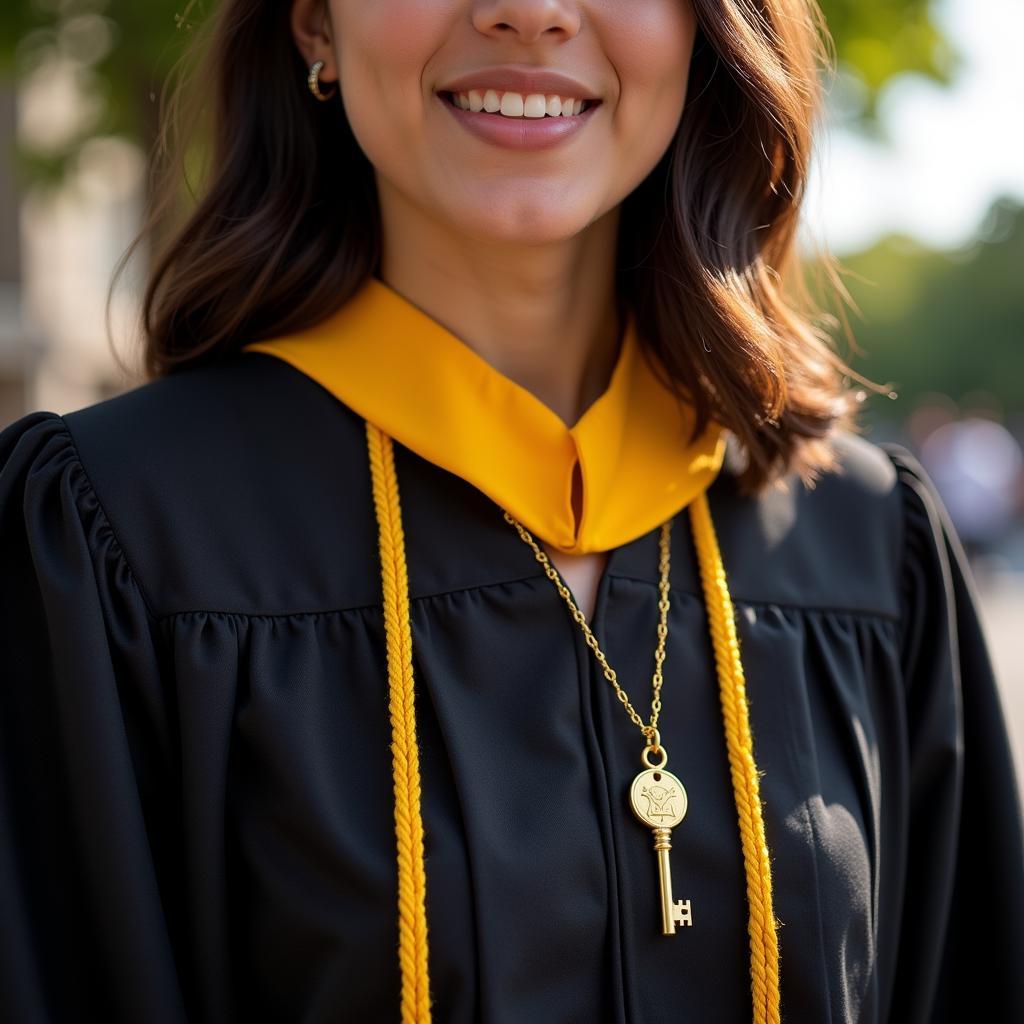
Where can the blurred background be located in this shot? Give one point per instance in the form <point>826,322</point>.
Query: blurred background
<point>917,186</point>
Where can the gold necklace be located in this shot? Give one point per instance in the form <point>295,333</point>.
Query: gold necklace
<point>656,797</point>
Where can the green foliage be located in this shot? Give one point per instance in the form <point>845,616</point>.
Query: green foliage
<point>119,51</point>
<point>881,39</point>
<point>947,322</point>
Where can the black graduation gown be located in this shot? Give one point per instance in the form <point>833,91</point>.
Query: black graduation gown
<point>195,779</point>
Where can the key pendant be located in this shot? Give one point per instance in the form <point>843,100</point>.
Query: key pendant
<point>658,800</point>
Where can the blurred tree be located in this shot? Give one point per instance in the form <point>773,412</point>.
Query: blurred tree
<point>117,54</point>
<point>946,322</point>
<point>113,54</point>
<point>876,40</point>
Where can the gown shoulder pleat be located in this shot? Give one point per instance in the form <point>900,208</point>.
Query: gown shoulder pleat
<point>87,759</point>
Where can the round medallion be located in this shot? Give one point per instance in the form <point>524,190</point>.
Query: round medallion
<point>658,798</point>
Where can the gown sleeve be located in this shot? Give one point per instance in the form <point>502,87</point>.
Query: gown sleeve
<point>84,754</point>
<point>961,943</point>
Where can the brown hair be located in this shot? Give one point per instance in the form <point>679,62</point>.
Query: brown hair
<point>273,243</point>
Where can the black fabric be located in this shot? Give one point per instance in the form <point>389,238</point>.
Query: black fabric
<point>195,775</point>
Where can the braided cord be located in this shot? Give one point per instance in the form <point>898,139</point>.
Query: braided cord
<point>764,943</point>
<point>412,878</point>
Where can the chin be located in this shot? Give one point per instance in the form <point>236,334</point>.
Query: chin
<point>537,224</point>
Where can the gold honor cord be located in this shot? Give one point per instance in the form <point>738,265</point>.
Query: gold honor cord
<point>405,765</point>
<point>412,924</point>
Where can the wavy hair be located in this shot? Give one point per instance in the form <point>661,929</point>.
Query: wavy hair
<point>269,243</point>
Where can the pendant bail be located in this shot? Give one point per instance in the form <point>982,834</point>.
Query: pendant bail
<point>654,747</point>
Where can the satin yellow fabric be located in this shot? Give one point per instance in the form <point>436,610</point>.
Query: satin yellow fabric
<point>402,370</point>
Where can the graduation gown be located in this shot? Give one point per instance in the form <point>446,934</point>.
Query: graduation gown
<point>195,781</point>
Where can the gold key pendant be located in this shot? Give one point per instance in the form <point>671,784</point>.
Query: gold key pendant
<point>658,800</point>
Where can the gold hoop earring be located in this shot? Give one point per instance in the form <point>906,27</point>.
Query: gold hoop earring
<point>314,82</point>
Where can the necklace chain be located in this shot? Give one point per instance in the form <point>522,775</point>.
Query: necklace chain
<point>649,730</point>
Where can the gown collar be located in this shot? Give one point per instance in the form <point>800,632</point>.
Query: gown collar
<point>402,370</point>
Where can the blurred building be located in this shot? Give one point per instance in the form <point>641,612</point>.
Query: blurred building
<point>58,248</point>
<point>18,351</point>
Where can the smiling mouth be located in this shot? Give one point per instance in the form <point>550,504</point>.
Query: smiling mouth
<point>449,97</point>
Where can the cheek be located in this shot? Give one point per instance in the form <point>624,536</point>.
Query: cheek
<point>382,48</point>
<point>650,45</point>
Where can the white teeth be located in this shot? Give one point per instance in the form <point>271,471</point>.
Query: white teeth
<point>514,104</point>
<point>534,105</point>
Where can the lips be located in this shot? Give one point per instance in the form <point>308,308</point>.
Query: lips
<point>521,79</point>
<point>521,133</point>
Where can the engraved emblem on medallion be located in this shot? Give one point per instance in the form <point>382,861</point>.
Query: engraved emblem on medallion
<point>660,801</point>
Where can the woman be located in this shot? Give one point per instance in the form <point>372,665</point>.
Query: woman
<point>301,721</point>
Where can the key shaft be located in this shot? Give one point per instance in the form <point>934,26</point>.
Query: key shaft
<point>673,912</point>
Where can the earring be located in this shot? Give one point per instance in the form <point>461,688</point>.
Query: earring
<point>314,82</point>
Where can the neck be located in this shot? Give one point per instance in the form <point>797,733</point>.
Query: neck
<point>545,316</point>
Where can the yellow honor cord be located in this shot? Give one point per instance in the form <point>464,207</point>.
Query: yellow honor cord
<point>412,921</point>
<point>761,924</point>
<point>405,764</point>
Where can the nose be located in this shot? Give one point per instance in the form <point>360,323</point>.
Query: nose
<point>527,20</point>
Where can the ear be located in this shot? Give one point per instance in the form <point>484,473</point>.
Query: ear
<point>311,29</point>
